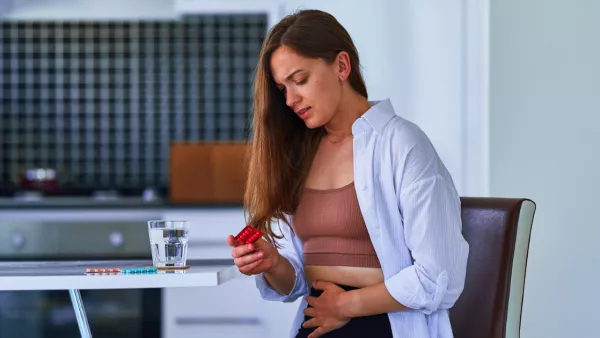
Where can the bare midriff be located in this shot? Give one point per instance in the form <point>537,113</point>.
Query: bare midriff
<point>345,275</point>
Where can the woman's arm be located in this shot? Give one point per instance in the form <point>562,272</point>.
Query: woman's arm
<point>275,285</point>
<point>432,226</point>
<point>281,277</point>
<point>371,300</point>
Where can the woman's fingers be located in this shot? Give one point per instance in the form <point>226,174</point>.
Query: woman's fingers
<point>248,269</point>
<point>310,323</point>
<point>231,241</point>
<point>242,250</point>
<point>248,259</point>
<point>310,311</point>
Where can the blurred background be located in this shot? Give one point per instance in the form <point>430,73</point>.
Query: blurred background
<point>114,112</point>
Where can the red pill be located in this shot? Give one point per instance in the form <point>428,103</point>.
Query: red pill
<point>248,235</point>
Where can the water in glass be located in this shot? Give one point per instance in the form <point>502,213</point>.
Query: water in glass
<point>168,243</point>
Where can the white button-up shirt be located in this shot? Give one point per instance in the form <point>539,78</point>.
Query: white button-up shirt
<point>413,216</point>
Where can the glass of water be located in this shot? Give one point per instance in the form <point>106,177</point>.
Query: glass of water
<point>168,243</point>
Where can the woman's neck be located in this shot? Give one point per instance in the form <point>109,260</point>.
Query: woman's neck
<point>351,109</point>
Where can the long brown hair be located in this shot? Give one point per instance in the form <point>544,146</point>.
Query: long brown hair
<point>282,147</point>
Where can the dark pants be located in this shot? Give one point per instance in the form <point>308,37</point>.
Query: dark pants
<point>368,326</point>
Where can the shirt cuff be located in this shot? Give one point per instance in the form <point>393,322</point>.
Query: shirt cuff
<point>416,290</point>
<point>299,289</point>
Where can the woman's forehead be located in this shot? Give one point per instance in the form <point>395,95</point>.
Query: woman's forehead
<point>285,63</point>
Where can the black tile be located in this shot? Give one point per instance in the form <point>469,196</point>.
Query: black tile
<point>128,89</point>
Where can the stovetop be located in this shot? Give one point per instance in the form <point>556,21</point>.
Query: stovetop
<point>10,189</point>
<point>12,195</point>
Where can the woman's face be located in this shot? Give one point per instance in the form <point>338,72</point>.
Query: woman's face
<point>312,87</point>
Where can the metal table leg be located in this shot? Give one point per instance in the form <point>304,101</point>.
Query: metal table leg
<point>82,322</point>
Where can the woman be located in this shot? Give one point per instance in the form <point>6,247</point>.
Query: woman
<point>373,226</point>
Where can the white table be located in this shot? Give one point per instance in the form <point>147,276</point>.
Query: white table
<point>70,275</point>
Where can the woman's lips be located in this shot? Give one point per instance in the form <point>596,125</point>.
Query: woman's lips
<point>304,114</point>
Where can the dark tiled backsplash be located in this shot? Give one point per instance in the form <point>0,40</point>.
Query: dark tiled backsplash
<point>102,101</point>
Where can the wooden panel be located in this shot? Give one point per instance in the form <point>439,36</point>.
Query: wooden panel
<point>208,173</point>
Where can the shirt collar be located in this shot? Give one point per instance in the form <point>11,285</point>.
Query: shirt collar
<point>380,113</point>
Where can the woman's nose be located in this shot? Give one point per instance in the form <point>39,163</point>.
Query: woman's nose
<point>291,98</point>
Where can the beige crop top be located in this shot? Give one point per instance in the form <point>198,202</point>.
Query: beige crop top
<point>331,226</point>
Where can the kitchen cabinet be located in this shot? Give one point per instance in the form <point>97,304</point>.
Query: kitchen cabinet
<point>209,229</point>
<point>208,173</point>
<point>234,307</point>
<point>230,309</point>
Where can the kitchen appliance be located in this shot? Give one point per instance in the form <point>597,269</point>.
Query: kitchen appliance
<point>82,235</point>
<point>43,179</point>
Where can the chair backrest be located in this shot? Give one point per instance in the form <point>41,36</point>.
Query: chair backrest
<point>498,232</point>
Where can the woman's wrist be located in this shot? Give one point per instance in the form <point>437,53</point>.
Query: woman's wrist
<point>277,266</point>
<point>281,276</point>
<point>347,304</point>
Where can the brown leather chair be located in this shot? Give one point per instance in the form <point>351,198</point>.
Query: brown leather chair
<point>498,232</point>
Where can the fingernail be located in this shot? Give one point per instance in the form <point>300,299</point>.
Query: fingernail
<point>249,246</point>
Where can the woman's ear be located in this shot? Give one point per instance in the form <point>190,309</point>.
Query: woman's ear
<point>343,65</point>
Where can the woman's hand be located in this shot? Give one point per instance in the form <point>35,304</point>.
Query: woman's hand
<point>325,310</point>
<point>253,259</point>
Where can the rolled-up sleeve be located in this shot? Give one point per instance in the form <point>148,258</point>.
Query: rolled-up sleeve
<point>431,213</point>
<point>292,250</point>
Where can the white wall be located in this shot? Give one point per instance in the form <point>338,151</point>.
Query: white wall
<point>5,6</point>
<point>545,116</point>
<point>433,78</point>
<point>91,9</point>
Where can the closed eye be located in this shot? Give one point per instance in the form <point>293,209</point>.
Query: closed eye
<point>280,88</point>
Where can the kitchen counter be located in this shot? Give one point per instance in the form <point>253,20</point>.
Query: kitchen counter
<point>65,275</point>
<point>72,276</point>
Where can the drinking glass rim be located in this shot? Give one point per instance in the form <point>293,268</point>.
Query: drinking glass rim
<point>184,222</point>
<point>168,220</point>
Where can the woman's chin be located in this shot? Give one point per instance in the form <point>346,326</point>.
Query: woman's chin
<point>312,124</point>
